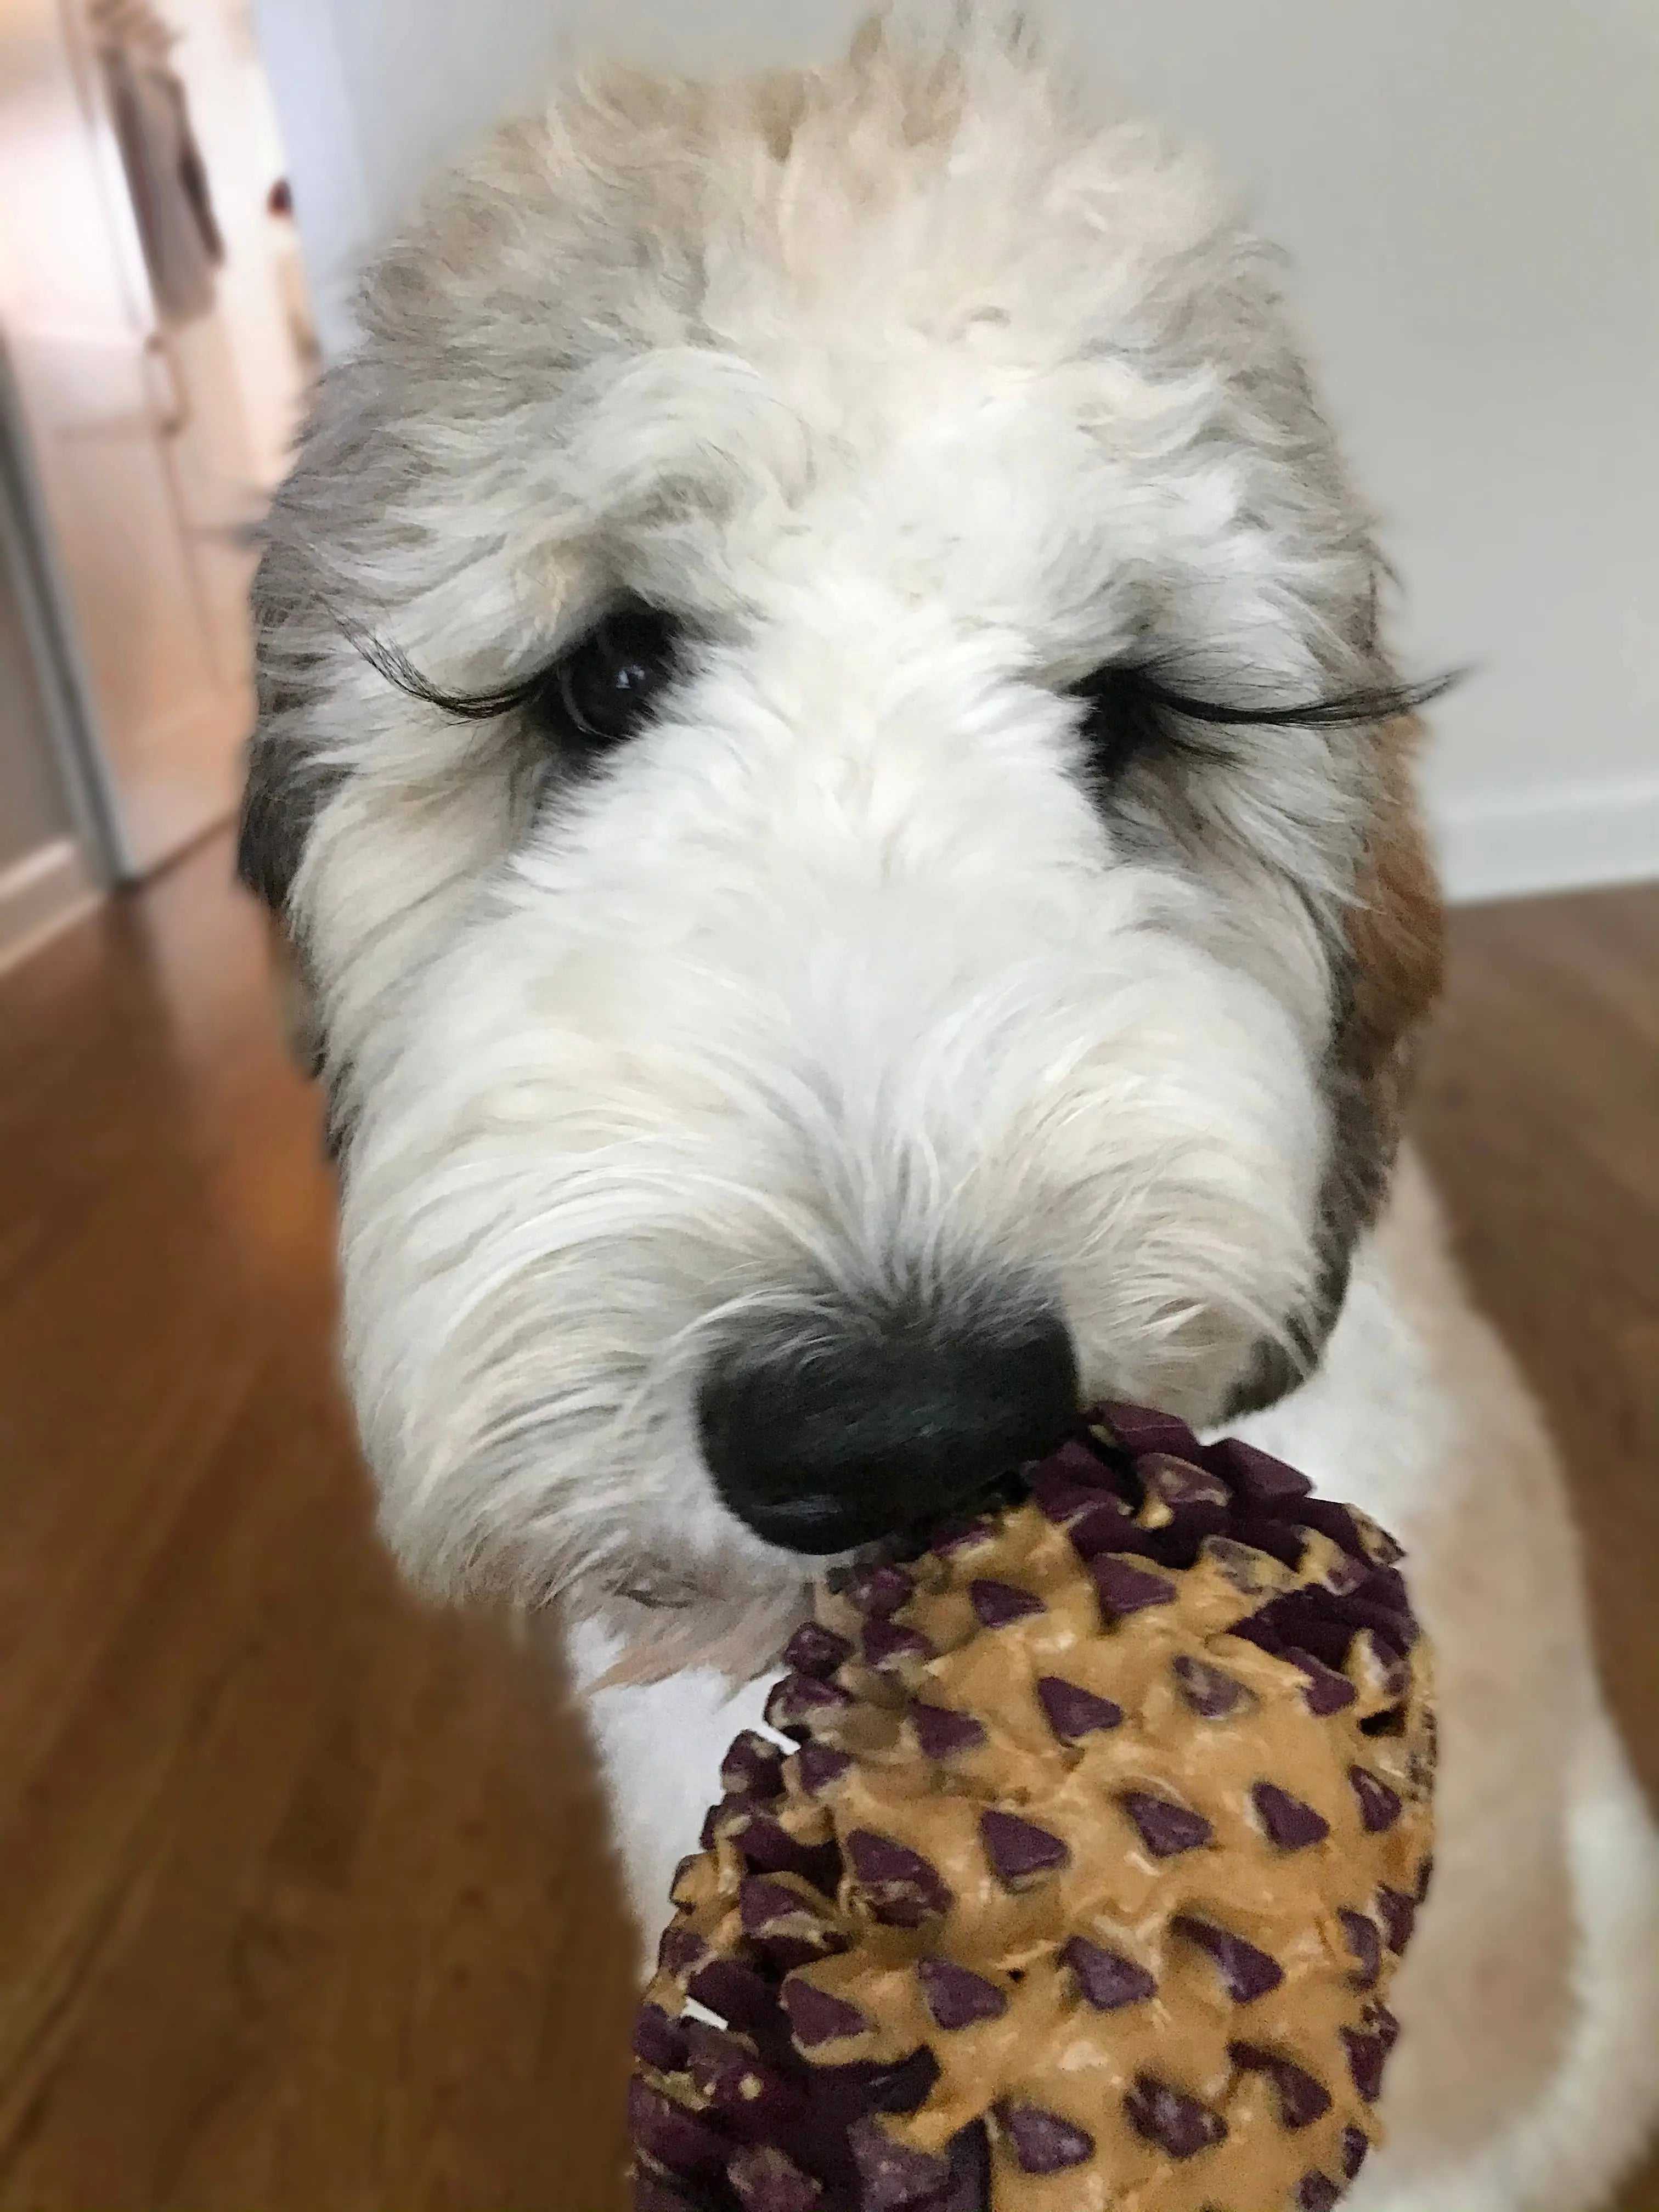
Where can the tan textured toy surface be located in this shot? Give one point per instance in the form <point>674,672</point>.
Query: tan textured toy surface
<point>1108,1824</point>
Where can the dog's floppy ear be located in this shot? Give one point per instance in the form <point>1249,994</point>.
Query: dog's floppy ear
<point>1396,933</point>
<point>284,789</point>
<point>279,804</point>
<point>1388,972</point>
<point>1391,972</point>
<point>280,799</point>
<point>1389,975</point>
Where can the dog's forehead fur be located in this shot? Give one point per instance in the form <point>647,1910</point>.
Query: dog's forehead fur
<point>921,319</point>
<point>649,313</point>
<point>919,389</point>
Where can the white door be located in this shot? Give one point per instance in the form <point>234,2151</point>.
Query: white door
<point>164,716</point>
<point>144,473</point>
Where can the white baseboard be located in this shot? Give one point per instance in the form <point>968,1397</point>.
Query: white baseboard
<point>41,894</point>
<point>1570,838</point>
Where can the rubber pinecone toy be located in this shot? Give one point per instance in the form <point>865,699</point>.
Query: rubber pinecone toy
<point>1106,1826</point>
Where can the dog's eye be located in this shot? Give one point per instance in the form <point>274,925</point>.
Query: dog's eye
<point>1119,717</point>
<point>603,688</point>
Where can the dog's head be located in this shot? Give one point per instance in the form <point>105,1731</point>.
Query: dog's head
<point>826,757</point>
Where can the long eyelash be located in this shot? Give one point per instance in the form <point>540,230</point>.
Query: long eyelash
<point>391,662</point>
<point>1350,710</point>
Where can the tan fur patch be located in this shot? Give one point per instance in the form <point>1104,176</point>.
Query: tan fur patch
<point>1396,936</point>
<point>1388,976</point>
<point>1393,969</point>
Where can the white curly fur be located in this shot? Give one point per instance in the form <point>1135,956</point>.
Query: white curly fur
<point>917,388</point>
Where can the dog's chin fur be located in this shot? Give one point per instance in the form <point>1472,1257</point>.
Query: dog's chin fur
<point>876,970</point>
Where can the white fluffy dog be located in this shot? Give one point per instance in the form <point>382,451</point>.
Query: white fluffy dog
<point>846,822</point>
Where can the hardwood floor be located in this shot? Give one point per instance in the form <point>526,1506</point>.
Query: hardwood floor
<point>303,1899</point>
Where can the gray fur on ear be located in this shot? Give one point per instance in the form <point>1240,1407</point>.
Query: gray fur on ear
<point>286,783</point>
<point>280,800</point>
<point>286,786</point>
<point>283,791</point>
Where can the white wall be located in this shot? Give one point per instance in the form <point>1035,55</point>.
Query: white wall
<point>1470,189</point>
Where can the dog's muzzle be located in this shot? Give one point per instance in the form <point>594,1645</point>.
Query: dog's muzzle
<point>851,1424</point>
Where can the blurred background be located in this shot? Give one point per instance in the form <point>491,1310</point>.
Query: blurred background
<point>303,1898</point>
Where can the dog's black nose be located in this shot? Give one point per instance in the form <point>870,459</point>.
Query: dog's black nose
<point>825,1438</point>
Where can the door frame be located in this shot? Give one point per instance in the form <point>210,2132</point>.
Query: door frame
<point>48,623</point>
